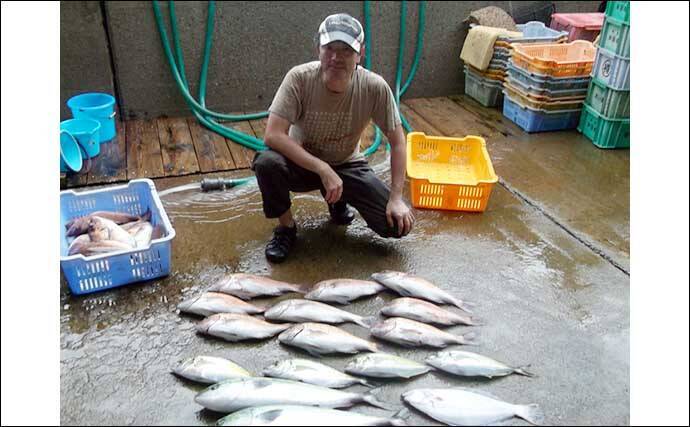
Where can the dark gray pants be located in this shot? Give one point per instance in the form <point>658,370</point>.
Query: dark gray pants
<point>278,175</point>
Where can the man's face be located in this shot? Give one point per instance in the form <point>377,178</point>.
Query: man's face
<point>338,60</point>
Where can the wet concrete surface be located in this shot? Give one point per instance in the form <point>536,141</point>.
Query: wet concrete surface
<point>583,188</point>
<point>546,299</point>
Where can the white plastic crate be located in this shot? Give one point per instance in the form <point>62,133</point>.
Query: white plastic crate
<point>486,93</point>
<point>612,69</point>
<point>535,32</point>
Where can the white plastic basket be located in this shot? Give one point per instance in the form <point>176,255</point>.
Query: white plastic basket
<point>612,69</point>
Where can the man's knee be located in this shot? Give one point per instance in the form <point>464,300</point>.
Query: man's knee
<point>268,161</point>
<point>384,230</point>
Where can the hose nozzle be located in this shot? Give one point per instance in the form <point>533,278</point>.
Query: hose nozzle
<point>217,184</point>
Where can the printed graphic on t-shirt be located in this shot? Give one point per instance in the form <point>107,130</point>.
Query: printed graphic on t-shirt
<point>325,131</point>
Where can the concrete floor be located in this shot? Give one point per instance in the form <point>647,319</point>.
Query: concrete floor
<point>549,275</point>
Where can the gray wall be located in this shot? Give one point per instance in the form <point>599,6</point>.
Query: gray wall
<point>255,44</point>
<point>84,57</point>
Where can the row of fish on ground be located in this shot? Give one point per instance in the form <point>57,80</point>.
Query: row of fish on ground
<point>306,392</point>
<point>105,231</point>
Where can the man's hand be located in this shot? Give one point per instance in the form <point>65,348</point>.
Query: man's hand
<point>332,183</point>
<point>398,213</point>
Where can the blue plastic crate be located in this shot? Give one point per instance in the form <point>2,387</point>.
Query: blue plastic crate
<point>96,273</point>
<point>498,64</point>
<point>540,91</point>
<point>539,120</point>
<point>501,53</point>
<point>540,81</point>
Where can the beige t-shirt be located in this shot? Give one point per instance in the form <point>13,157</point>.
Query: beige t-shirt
<point>328,124</point>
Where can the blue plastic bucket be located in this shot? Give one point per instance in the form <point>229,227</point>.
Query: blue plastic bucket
<point>86,133</point>
<point>70,153</point>
<point>95,106</point>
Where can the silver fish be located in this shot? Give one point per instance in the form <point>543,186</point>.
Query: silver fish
<point>209,370</point>
<point>105,229</point>
<point>80,225</point>
<point>240,393</point>
<point>133,227</point>
<point>247,286</point>
<point>296,415</point>
<point>408,285</point>
<point>382,365</point>
<point>300,310</point>
<point>211,303</point>
<point>425,312</point>
<point>318,339</point>
<point>99,248</point>
<point>462,407</point>
<point>143,235</point>
<point>467,364</point>
<point>79,244</point>
<point>310,372</point>
<point>343,291</point>
<point>158,232</point>
<point>412,333</point>
<point>237,327</point>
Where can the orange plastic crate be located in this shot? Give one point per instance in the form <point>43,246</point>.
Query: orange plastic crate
<point>489,74</point>
<point>544,103</point>
<point>449,173</point>
<point>573,59</point>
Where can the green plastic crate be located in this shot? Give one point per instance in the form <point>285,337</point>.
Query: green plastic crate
<point>619,10</point>
<point>603,132</point>
<point>610,103</point>
<point>615,37</point>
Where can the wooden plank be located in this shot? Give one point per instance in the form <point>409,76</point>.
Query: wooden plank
<point>111,163</point>
<point>212,151</point>
<point>446,116</point>
<point>259,129</point>
<point>78,179</point>
<point>177,148</point>
<point>259,126</point>
<point>490,117</point>
<point>144,158</point>
<point>418,123</point>
<point>243,156</point>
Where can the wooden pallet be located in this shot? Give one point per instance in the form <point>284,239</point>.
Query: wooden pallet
<point>168,147</point>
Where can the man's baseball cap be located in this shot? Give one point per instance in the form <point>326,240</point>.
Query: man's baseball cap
<point>342,27</point>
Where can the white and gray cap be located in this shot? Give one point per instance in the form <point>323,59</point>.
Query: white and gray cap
<point>342,27</point>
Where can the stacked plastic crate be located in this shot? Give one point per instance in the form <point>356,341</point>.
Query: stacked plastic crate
<point>487,86</point>
<point>606,116</point>
<point>579,26</point>
<point>547,85</point>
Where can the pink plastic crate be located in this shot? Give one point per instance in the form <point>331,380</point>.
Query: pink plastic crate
<point>580,26</point>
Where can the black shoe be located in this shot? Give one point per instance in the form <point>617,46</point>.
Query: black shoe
<point>341,213</point>
<point>281,243</point>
